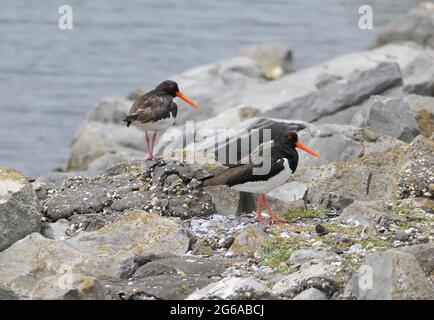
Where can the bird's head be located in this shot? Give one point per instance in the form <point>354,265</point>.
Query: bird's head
<point>171,88</point>
<point>291,138</point>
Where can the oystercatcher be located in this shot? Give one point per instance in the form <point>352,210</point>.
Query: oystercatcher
<point>156,111</point>
<point>283,161</point>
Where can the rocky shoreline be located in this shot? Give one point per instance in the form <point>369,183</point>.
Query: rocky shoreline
<point>361,218</point>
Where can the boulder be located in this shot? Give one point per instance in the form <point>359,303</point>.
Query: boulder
<point>359,86</point>
<point>20,213</point>
<point>391,275</point>
<point>115,251</point>
<point>232,288</point>
<point>368,214</point>
<point>274,59</point>
<point>169,188</point>
<point>249,240</point>
<point>311,294</point>
<point>416,25</point>
<point>168,278</point>
<point>424,254</point>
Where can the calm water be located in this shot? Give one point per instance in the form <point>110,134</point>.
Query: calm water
<point>49,77</point>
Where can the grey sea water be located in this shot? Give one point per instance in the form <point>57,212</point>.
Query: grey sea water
<point>50,77</point>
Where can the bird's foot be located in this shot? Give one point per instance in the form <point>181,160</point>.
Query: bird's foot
<point>262,220</point>
<point>276,219</point>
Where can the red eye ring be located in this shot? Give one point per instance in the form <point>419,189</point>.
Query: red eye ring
<point>289,137</point>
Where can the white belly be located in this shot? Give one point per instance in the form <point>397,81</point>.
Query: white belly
<point>268,185</point>
<point>159,125</point>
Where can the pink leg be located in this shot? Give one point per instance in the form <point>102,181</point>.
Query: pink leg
<point>259,209</point>
<point>154,136</point>
<point>274,217</point>
<point>148,146</point>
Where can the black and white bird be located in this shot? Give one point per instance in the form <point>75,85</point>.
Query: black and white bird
<point>282,162</point>
<point>156,111</point>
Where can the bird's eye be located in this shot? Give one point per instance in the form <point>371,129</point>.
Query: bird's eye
<point>289,138</point>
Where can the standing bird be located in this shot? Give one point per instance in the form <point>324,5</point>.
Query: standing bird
<point>283,161</point>
<point>156,111</point>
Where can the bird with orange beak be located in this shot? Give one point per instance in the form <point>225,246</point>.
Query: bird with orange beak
<point>282,162</point>
<point>156,111</point>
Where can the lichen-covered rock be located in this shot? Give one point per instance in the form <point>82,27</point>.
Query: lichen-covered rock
<point>249,240</point>
<point>311,294</point>
<point>391,275</point>
<point>115,251</point>
<point>19,208</point>
<point>299,257</point>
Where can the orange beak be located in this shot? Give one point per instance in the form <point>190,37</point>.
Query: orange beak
<point>187,99</point>
<point>300,145</point>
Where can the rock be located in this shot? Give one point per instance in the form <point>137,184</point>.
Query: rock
<point>418,169</point>
<point>169,278</point>
<point>390,275</point>
<point>340,95</point>
<point>113,252</point>
<point>69,287</point>
<point>396,173</point>
<point>311,294</point>
<point>424,254</point>
<point>291,284</point>
<point>368,214</point>
<point>226,200</point>
<point>249,240</point>
<point>204,246</point>
<point>161,187</point>
<point>392,117</point>
<point>299,257</point>
<point>416,25</point>
<point>274,59</point>
<point>138,91</point>
<point>56,230</point>
<point>423,107</point>
<point>19,208</point>
<point>232,288</point>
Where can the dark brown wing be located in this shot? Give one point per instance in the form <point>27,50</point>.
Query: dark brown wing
<point>151,108</point>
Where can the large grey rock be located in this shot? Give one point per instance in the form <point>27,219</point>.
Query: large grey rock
<point>169,278</point>
<point>424,254</point>
<point>340,95</point>
<point>391,275</point>
<point>274,59</point>
<point>113,252</point>
<point>160,187</point>
<point>232,288</point>
<point>19,208</point>
<point>392,117</point>
<point>416,25</point>
<point>368,214</point>
<point>311,294</point>
<point>395,173</point>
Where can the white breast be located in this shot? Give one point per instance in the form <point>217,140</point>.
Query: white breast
<point>159,125</point>
<point>268,185</point>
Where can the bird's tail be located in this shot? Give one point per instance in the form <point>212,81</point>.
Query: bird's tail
<point>130,119</point>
